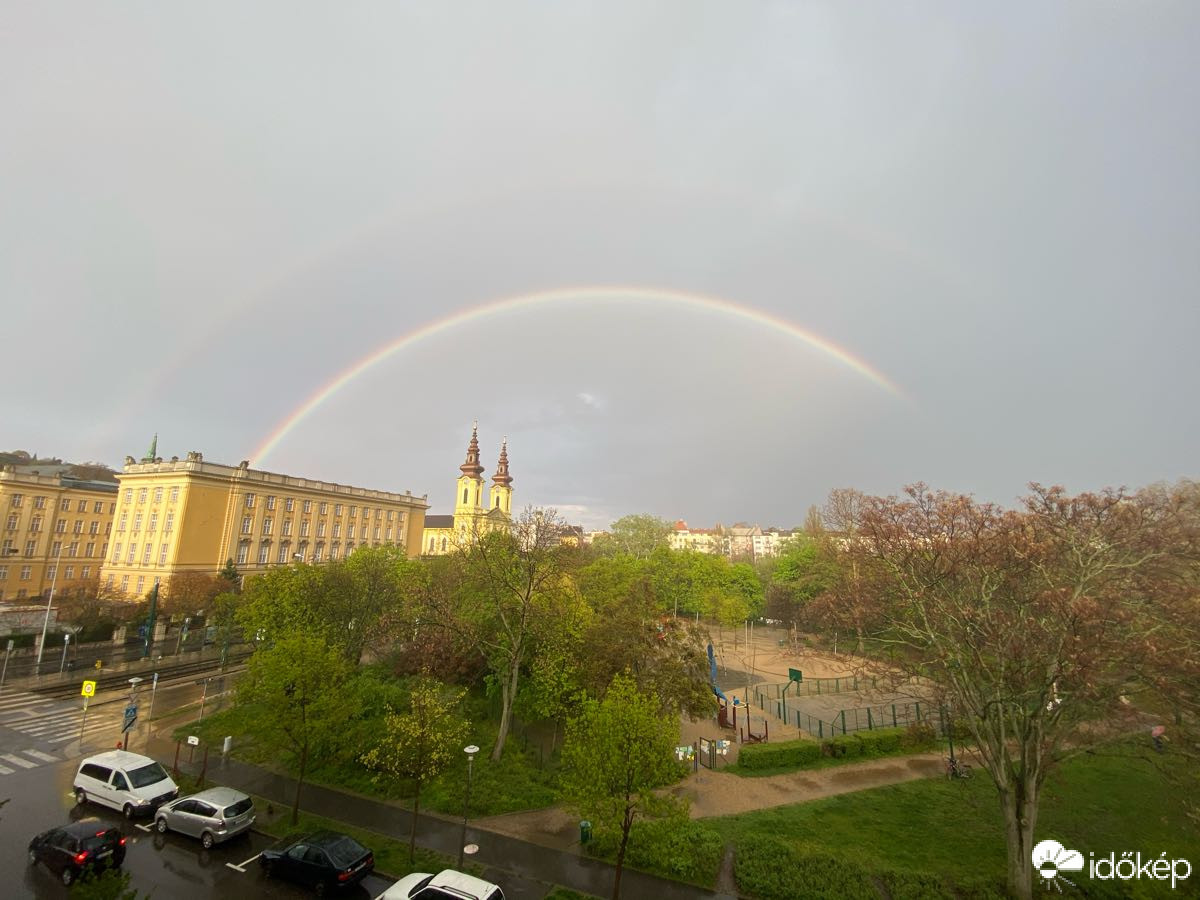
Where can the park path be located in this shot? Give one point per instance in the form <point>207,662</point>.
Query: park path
<point>717,793</point>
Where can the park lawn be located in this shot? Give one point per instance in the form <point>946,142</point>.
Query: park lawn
<point>1122,797</point>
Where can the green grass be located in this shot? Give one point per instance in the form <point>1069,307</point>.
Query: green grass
<point>562,893</point>
<point>1121,798</point>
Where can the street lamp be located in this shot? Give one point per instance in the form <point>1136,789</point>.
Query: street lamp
<point>470,751</point>
<point>46,623</point>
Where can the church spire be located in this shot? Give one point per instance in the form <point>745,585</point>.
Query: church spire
<point>153,451</point>
<point>502,476</point>
<point>472,467</point>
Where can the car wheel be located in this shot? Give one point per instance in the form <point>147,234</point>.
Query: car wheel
<point>67,876</point>
<point>160,824</point>
<point>80,796</point>
<point>128,810</point>
<point>268,868</point>
<point>322,888</point>
<point>33,857</point>
<point>206,840</point>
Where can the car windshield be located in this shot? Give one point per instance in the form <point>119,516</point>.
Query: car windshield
<point>238,808</point>
<point>344,851</point>
<point>147,775</point>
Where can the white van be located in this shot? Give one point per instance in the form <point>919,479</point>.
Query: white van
<point>130,782</point>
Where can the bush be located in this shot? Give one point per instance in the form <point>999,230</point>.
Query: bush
<point>676,848</point>
<point>772,869</point>
<point>796,754</point>
<point>919,736</point>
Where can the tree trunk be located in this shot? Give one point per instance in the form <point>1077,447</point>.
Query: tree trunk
<point>1020,815</point>
<point>508,691</point>
<point>300,783</point>
<point>412,834</point>
<point>626,823</point>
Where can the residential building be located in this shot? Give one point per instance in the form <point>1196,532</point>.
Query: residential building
<point>189,515</point>
<point>699,540</point>
<point>471,518</point>
<point>736,542</point>
<point>55,529</point>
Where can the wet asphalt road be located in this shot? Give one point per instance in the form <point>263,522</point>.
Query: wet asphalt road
<point>169,866</point>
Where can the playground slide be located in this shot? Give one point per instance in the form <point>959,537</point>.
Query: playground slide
<point>712,669</point>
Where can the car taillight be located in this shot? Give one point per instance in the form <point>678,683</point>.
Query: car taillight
<point>342,876</point>
<point>80,858</point>
<point>121,842</point>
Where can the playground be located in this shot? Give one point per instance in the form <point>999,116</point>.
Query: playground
<point>752,661</point>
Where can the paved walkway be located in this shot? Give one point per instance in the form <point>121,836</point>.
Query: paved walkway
<point>508,854</point>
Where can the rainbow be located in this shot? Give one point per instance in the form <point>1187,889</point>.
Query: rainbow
<point>688,300</point>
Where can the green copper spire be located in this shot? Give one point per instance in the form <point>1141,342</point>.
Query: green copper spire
<point>152,453</point>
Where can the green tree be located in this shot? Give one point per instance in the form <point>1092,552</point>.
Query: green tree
<point>617,752</point>
<point>802,572</point>
<point>230,574</point>
<point>517,589</point>
<point>295,699</point>
<point>105,884</point>
<point>418,745</point>
<point>637,536</point>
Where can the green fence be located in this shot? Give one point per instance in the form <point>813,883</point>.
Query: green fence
<point>864,718</point>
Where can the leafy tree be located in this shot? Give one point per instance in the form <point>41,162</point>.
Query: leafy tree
<point>295,699</point>
<point>104,884</point>
<point>192,592</point>
<point>230,574</point>
<point>516,591</point>
<point>1033,622</point>
<point>637,536</point>
<point>347,601</point>
<point>803,571</point>
<point>617,751</point>
<point>419,744</point>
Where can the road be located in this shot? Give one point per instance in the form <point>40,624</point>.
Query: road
<point>169,865</point>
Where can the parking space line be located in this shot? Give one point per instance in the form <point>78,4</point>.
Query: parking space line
<point>241,866</point>
<point>144,827</point>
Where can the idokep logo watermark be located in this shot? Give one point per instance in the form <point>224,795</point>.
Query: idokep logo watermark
<point>1052,860</point>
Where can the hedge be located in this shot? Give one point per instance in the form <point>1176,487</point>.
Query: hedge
<point>863,744</point>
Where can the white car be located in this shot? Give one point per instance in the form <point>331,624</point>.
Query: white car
<point>445,885</point>
<point>128,782</point>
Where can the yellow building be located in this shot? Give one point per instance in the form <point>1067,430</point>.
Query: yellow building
<point>188,515</point>
<point>56,529</point>
<point>472,517</point>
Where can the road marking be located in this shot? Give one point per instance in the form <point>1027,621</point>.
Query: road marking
<point>5,770</point>
<point>144,827</point>
<point>241,866</point>
<point>23,763</point>
<point>38,754</point>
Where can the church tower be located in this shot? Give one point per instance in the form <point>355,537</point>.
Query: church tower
<point>468,502</point>
<point>501,495</point>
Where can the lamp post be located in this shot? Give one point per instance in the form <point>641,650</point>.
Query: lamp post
<point>46,622</point>
<point>66,643</point>
<point>470,751</point>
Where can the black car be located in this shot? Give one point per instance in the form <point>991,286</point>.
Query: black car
<point>325,860</point>
<point>72,849</point>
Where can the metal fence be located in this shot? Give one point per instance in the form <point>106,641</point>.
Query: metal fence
<point>845,721</point>
<point>846,684</point>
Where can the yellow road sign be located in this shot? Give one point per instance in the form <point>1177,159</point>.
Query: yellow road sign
<point>89,689</point>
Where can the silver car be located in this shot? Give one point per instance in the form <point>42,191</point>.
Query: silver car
<point>215,815</point>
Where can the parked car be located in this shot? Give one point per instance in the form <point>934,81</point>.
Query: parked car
<point>214,815</point>
<point>445,885</point>
<point>325,860</point>
<point>71,850</point>
<point>128,782</point>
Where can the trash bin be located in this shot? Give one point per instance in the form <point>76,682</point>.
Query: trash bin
<point>585,831</point>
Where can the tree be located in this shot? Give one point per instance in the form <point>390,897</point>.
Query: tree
<point>800,573</point>
<point>617,751</point>
<point>294,700</point>
<point>347,601</point>
<point>637,536</point>
<point>193,592</point>
<point>1032,622</point>
<point>418,745</point>
<point>104,884</point>
<point>516,588</point>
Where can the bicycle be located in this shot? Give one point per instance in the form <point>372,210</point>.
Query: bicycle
<point>956,769</point>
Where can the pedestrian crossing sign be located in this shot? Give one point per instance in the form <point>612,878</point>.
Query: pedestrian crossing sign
<point>89,689</point>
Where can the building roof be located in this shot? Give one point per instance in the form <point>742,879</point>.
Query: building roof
<point>439,521</point>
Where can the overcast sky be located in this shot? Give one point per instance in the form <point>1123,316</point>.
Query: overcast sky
<point>210,210</point>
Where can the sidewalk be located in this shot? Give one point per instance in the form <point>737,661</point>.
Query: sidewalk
<point>499,851</point>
